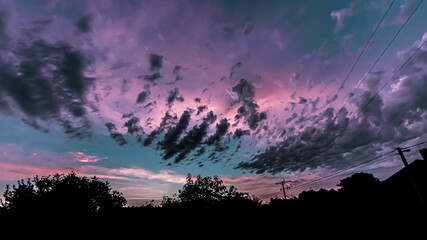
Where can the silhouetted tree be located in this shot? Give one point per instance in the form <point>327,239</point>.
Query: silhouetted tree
<point>61,194</point>
<point>321,196</point>
<point>207,191</point>
<point>360,188</point>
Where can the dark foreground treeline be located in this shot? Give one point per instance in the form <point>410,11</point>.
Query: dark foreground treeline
<point>362,204</point>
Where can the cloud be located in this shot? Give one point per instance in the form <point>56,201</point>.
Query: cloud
<point>152,78</point>
<point>294,79</point>
<point>166,121</point>
<point>114,134</point>
<point>341,15</point>
<point>302,100</point>
<point>238,133</point>
<point>174,95</point>
<point>249,27</point>
<point>279,83</point>
<point>169,144</point>
<point>127,180</point>
<point>234,67</point>
<point>405,11</point>
<point>200,109</point>
<point>142,96</point>
<point>221,130</point>
<point>382,125</point>
<point>82,157</point>
<point>192,140</point>
<point>244,94</point>
<point>35,125</point>
<point>4,36</point>
<point>134,128</point>
<point>84,23</point>
<point>47,81</point>
<point>51,78</point>
<point>156,62</point>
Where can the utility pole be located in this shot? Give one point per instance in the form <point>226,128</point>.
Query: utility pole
<point>408,171</point>
<point>283,187</point>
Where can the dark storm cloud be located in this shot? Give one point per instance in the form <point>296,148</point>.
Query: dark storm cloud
<point>313,104</point>
<point>248,29</point>
<point>133,127</point>
<point>152,78</point>
<point>221,130</point>
<point>46,80</point>
<point>302,100</point>
<point>142,96</point>
<point>200,109</point>
<point>40,90</point>
<point>238,133</point>
<point>151,137</point>
<point>294,153</point>
<point>84,23</point>
<point>166,121</point>
<point>80,132</point>
<point>210,117</point>
<point>35,125</point>
<point>110,126</point>
<point>114,134</point>
<point>380,123</point>
<point>118,137</point>
<point>169,144</point>
<point>156,62</point>
<point>189,142</point>
<point>174,95</point>
<point>4,37</point>
<point>249,110</point>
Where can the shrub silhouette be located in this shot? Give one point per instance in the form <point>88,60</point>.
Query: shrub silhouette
<point>61,194</point>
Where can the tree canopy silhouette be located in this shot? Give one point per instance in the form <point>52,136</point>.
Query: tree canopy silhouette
<point>61,194</point>
<point>208,191</point>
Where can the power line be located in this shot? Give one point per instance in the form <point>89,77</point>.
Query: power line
<point>386,83</point>
<point>341,171</point>
<point>376,94</point>
<point>370,70</point>
<point>418,144</point>
<point>263,196</point>
<point>351,69</point>
<point>357,165</point>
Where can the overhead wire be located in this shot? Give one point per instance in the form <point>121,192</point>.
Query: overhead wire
<point>371,99</point>
<point>342,171</point>
<point>371,68</point>
<point>418,144</point>
<point>388,81</point>
<point>351,69</point>
<point>388,154</point>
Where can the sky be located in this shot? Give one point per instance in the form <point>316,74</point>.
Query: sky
<point>142,93</point>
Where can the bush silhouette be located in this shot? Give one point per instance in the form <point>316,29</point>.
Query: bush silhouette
<point>61,194</point>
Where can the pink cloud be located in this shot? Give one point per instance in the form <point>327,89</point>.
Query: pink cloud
<point>14,171</point>
<point>82,157</point>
